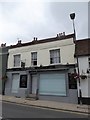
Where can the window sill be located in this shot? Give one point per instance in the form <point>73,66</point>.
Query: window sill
<point>34,65</point>
<point>16,66</point>
<point>56,64</point>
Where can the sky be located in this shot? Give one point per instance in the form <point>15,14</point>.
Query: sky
<point>26,19</point>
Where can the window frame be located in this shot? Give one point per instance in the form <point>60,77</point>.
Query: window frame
<point>33,59</point>
<point>15,65</point>
<point>21,85</point>
<point>72,82</point>
<point>53,59</point>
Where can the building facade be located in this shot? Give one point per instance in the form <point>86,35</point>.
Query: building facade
<point>3,66</point>
<point>42,68</point>
<point>83,53</point>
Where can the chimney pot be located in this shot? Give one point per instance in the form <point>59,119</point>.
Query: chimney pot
<point>19,42</point>
<point>64,33</point>
<point>60,34</point>
<point>34,38</point>
<point>57,35</point>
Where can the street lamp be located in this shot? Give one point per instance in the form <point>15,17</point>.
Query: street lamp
<point>72,16</point>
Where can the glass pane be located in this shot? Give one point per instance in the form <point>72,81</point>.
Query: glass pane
<point>34,56</point>
<point>89,58</point>
<point>16,60</point>
<point>55,56</point>
<point>89,64</point>
<point>56,53</point>
<point>51,54</point>
<point>23,81</point>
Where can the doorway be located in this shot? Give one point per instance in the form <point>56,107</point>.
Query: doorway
<point>34,84</point>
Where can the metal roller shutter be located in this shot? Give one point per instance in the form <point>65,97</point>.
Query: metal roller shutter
<point>52,84</point>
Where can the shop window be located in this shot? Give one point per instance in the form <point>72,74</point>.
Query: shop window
<point>72,81</point>
<point>23,81</point>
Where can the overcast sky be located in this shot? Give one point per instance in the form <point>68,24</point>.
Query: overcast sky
<point>43,19</point>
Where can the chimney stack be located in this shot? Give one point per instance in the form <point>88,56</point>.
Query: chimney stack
<point>35,39</point>
<point>3,45</point>
<point>61,34</point>
<point>19,41</point>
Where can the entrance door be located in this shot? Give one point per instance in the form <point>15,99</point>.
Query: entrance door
<point>34,84</point>
<point>15,83</point>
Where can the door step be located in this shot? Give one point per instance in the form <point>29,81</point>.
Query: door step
<point>31,97</point>
<point>28,98</point>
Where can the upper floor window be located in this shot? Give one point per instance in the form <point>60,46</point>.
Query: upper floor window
<point>17,59</point>
<point>34,58</point>
<point>89,61</point>
<point>55,56</point>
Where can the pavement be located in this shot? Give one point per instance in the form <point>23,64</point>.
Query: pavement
<point>48,104</point>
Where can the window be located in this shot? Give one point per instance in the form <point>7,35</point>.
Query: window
<point>34,58</point>
<point>17,60</point>
<point>72,81</point>
<point>23,81</point>
<point>54,56</point>
<point>89,61</point>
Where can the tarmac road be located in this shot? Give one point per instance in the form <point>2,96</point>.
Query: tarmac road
<point>13,110</point>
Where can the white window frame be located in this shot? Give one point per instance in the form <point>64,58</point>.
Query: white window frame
<point>33,58</point>
<point>55,59</point>
<point>19,62</point>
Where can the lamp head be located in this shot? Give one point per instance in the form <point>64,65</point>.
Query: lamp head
<point>72,16</point>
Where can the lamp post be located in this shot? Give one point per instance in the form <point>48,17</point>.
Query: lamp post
<point>72,16</point>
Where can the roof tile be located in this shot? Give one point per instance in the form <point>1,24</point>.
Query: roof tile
<point>82,47</point>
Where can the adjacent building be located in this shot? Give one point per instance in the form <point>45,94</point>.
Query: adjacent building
<point>43,68</point>
<point>3,66</point>
<point>83,53</point>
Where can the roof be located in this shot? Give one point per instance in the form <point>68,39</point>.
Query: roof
<point>82,47</point>
<point>43,41</point>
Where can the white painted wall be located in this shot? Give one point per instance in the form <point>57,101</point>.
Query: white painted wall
<point>67,49</point>
<point>83,66</point>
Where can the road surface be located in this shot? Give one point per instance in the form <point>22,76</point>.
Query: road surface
<point>12,110</point>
